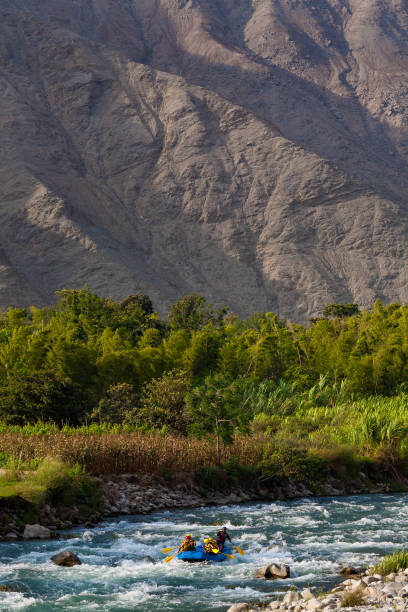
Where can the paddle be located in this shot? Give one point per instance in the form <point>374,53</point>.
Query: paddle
<point>168,559</point>
<point>166,550</point>
<point>216,552</point>
<point>241,552</point>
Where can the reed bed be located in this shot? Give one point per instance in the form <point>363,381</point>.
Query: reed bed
<point>118,453</point>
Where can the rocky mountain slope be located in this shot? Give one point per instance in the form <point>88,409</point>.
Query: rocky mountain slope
<point>254,151</point>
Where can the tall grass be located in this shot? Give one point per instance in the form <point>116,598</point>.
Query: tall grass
<point>392,563</point>
<point>374,421</point>
<point>115,453</point>
<point>343,434</point>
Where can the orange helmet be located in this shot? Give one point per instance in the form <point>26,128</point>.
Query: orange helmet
<point>188,536</point>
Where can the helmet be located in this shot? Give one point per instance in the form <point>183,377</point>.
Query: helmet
<point>188,536</point>
<point>206,540</point>
<point>224,529</point>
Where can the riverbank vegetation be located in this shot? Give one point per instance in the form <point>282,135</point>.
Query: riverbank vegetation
<point>51,481</point>
<point>391,563</point>
<point>115,388</point>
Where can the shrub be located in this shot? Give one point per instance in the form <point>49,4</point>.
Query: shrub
<point>229,474</point>
<point>117,406</point>
<point>342,461</point>
<point>32,492</point>
<point>241,475</point>
<point>4,459</point>
<point>163,403</point>
<point>211,477</point>
<point>352,599</point>
<point>289,461</point>
<point>52,473</point>
<point>392,563</point>
<point>54,481</point>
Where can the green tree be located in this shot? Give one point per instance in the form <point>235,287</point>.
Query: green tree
<point>73,360</point>
<point>115,368</point>
<point>214,408</point>
<point>193,312</point>
<point>118,405</point>
<point>135,302</point>
<point>163,403</point>
<point>340,310</point>
<point>16,317</point>
<point>42,397</point>
<point>201,357</point>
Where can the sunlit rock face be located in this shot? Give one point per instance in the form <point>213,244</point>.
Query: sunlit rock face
<point>253,151</point>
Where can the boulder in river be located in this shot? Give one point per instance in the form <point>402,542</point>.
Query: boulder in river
<point>274,570</point>
<point>148,559</point>
<point>348,571</point>
<point>66,558</point>
<point>5,589</point>
<point>239,607</point>
<point>36,532</point>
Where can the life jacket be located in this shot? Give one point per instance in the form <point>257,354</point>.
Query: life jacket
<point>210,545</point>
<point>221,537</point>
<point>188,545</point>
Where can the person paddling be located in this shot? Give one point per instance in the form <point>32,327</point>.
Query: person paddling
<point>210,545</point>
<point>222,535</point>
<point>187,544</point>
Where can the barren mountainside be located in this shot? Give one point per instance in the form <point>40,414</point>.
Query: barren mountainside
<point>254,151</point>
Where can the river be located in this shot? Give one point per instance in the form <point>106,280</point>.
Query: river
<point>122,561</point>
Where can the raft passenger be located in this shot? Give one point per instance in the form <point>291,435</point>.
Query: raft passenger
<point>222,535</point>
<point>187,544</point>
<point>209,545</point>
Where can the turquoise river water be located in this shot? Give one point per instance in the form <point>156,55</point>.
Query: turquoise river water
<point>122,567</point>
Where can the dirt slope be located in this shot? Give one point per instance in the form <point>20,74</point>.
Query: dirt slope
<point>254,151</point>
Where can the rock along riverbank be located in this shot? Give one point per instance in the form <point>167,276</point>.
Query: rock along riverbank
<point>367,593</point>
<point>126,494</point>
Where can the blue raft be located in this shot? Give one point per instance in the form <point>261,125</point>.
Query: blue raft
<point>199,554</point>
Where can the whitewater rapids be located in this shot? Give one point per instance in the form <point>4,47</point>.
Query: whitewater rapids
<point>122,564</point>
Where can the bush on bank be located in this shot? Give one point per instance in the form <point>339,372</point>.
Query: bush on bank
<point>53,481</point>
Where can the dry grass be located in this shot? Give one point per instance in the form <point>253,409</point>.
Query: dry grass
<point>118,453</point>
<point>352,599</point>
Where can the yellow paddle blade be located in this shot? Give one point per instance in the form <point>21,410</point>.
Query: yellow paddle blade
<point>166,550</point>
<point>241,552</point>
<point>227,555</point>
<point>168,559</point>
<point>215,551</point>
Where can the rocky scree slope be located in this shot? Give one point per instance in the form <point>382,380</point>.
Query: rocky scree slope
<point>252,151</point>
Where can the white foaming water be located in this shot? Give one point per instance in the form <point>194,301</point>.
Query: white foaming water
<point>123,569</point>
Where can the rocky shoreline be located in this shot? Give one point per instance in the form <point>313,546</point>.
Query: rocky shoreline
<point>367,592</point>
<point>126,494</point>
<point>140,494</point>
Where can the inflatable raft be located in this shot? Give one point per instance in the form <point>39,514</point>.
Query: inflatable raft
<point>199,554</point>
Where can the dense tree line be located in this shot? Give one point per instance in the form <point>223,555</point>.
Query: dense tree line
<point>90,359</point>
